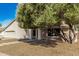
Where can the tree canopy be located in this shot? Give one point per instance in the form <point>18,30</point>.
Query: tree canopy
<point>43,15</point>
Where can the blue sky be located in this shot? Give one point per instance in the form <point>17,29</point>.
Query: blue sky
<point>7,13</point>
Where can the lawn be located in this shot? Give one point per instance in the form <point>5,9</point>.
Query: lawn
<point>41,49</point>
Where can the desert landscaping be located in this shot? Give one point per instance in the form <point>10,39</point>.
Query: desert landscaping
<point>52,48</point>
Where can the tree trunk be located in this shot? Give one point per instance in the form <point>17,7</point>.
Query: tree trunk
<point>64,36</point>
<point>73,34</point>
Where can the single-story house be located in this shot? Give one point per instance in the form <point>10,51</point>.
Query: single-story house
<point>14,31</point>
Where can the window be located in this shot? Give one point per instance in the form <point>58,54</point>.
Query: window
<point>10,31</point>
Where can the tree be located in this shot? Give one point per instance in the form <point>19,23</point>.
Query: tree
<point>33,15</point>
<point>46,15</point>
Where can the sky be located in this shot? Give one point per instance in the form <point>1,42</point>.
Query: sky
<point>7,13</point>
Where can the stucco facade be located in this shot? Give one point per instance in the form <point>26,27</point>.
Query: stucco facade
<point>14,31</point>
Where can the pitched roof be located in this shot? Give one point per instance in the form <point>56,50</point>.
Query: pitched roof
<point>8,26</point>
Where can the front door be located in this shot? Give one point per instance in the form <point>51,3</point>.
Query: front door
<point>34,34</point>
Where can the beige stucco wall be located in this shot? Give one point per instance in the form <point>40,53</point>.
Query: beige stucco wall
<point>18,33</point>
